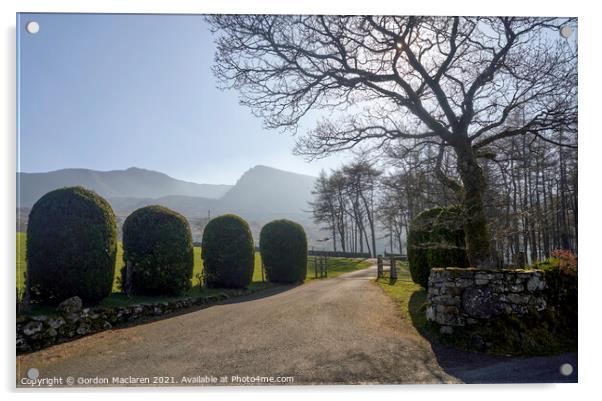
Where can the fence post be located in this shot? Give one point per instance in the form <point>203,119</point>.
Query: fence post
<point>321,268</point>
<point>315,267</point>
<point>325,268</point>
<point>379,267</point>
<point>393,270</point>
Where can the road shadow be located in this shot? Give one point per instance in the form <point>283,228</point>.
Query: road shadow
<point>262,293</point>
<point>482,368</point>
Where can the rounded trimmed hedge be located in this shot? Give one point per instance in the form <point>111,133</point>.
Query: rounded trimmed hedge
<point>158,243</point>
<point>71,246</point>
<point>228,252</point>
<point>283,246</point>
<point>436,239</point>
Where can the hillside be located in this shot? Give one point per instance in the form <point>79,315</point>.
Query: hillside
<point>261,194</point>
<point>190,206</point>
<point>268,191</point>
<point>131,183</point>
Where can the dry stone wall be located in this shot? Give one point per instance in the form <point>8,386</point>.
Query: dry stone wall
<point>459,297</point>
<point>71,320</point>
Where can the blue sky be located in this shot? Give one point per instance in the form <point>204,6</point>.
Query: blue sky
<point>113,91</point>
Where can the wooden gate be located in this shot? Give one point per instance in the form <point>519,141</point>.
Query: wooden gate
<point>393,272</point>
<point>320,267</point>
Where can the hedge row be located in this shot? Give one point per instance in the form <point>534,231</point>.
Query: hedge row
<point>157,244</point>
<point>436,239</point>
<point>72,245</point>
<point>228,252</point>
<point>283,246</point>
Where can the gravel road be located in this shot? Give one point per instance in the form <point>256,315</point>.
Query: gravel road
<point>343,330</point>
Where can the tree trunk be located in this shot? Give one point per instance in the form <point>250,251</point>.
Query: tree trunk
<point>370,216</point>
<point>475,223</point>
<point>334,236</point>
<point>342,236</point>
<point>575,212</point>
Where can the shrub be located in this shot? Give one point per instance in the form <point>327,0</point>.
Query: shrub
<point>228,252</point>
<point>418,235</point>
<point>283,246</point>
<point>71,246</point>
<point>436,239</point>
<point>560,273</point>
<point>567,260</point>
<point>158,243</point>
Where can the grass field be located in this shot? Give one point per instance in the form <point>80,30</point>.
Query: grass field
<point>336,267</point>
<point>21,264</point>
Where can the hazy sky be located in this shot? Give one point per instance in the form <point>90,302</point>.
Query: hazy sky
<point>113,91</point>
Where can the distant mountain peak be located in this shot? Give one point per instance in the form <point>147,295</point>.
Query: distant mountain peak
<point>134,182</point>
<point>261,168</point>
<point>264,189</point>
<point>260,191</point>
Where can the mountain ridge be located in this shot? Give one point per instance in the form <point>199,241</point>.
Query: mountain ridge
<point>261,192</point>
<point>269,190</point>
<point>133,182</point>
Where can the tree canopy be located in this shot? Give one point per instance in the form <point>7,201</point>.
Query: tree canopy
<point>459,83</point>
<point>401,77</point>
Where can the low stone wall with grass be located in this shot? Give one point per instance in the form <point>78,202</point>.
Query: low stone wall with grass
<point>458,297</point>
<point>71,320</point>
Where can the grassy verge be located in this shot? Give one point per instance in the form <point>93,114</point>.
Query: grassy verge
<point>408,296</point>
<point>21,264</point>
<point>536,334</point>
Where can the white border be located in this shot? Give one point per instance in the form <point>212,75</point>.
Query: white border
<point>589,193</point>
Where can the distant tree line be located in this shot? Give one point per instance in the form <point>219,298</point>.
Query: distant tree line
<point>530,199</point>
<point>345,204</point>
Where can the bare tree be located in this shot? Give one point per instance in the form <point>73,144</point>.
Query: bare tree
<point>450,81</point>
<point>345,204</point>
<point>325,207</point>
<point>362,180</point>
<point>531,197</point>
